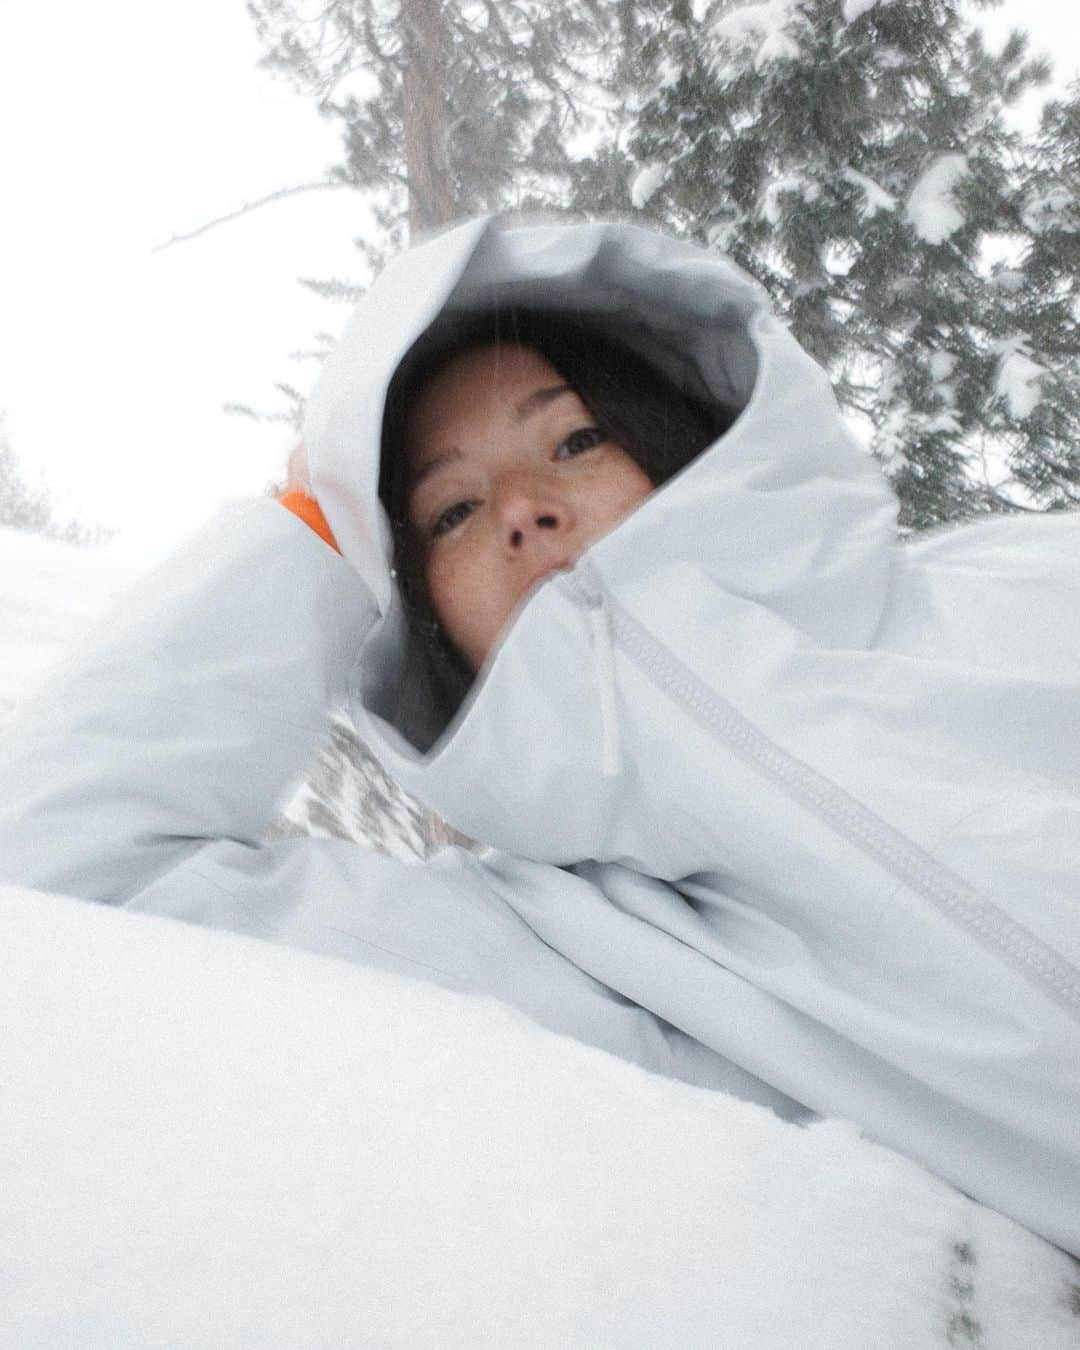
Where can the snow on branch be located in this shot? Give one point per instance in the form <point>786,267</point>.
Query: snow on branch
<point>931,208</point>
<point>1018,378</point>
<point>855,9</point>
<point>877,199</point>
<point>760,26</point>
<point>647,182</point>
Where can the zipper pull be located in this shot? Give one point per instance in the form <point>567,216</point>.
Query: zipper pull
<point>604,654</point>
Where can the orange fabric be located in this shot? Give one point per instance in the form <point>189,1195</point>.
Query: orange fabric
<point>307,508</point>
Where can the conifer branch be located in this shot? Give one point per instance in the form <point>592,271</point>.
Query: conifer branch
<point>275,196</point>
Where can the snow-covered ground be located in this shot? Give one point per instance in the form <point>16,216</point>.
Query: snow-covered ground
<point>207,1140</point>
<point>50,595</point>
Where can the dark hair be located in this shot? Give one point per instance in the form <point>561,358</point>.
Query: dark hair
<point>662,428</point>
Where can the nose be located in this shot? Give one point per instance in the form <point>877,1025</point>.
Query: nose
<point>530,511</point>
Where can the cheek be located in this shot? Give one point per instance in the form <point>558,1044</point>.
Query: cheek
<point>440,574</point>
<point>624,488</point>
<point>463,590</point>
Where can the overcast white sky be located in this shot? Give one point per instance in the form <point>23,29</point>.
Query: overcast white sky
<point>124,122</point>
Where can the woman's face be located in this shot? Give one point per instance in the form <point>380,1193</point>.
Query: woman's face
<point>510,479</point>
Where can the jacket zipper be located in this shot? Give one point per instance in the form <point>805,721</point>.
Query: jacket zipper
<point>603,651</point>
<point>843,813</point>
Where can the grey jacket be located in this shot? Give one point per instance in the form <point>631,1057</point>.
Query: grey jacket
<point>773,804</point>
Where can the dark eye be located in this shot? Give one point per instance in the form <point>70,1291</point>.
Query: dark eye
<point>449,519</point>
<point>585,438</point>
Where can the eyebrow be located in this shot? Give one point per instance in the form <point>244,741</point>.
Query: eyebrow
<point>529,405</point>
<point>540,398</point>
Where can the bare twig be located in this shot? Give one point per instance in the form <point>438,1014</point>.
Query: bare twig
<point>278,195</point>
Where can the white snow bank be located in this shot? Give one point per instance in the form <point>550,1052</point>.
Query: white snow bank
<point>211,1141</point>
<point>931,208</point>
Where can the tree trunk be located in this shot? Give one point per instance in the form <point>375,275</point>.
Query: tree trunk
<point>426,41</point>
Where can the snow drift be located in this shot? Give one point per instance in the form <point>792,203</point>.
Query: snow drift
<point>210,1140</point>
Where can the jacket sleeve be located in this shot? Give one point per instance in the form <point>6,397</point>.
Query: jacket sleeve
<point>144,773</point>
<point>190,716</point>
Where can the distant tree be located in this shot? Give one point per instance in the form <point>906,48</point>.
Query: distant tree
<point>20,506</point>
<point>25,508</point>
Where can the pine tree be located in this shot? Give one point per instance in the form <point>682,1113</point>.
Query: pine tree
<point>856,158</point>
<point>1046,290</point>
<point>448,107</point>
<point>854,155</point>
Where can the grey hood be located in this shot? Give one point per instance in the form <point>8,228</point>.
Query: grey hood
<point>785,510</point>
